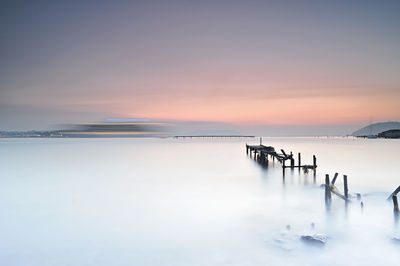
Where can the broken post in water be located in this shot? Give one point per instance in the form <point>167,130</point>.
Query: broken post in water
<point>299,159</point>
<point>314,162</point>
<point>327,191</point>
<point>395,204</point>
<point>397,190</point>
<point>346,189</point>
<point>334,178</point>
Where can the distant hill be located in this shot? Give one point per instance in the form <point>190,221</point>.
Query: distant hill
<point>376,128</point>
<point>390,134</point>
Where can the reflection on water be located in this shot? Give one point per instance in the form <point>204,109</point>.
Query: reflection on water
<point>193,202</point>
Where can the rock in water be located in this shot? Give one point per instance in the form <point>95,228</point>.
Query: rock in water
<point>396,240</point>
<point>315,240</point>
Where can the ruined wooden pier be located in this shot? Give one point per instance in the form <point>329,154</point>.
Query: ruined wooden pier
<point>262,154</point>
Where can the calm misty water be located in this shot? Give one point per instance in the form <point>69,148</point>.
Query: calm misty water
<point>192,202</point>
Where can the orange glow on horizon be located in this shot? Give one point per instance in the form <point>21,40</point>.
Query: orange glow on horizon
<point>296,111</point>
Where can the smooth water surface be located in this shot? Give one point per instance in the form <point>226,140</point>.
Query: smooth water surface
<point>193,202</point>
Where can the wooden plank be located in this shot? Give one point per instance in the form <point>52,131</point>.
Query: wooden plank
<point>334,178</point>
<point>335,191</point>
<point>394,193</point>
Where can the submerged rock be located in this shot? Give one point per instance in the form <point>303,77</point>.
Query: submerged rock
<point>315,240</point>
<point>396,240</point>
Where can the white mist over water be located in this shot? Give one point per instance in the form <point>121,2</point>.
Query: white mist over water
<point>192,202</point>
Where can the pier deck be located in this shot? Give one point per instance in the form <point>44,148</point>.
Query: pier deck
<point>262,154</point>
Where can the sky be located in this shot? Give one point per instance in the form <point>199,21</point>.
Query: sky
<point>289,64</point>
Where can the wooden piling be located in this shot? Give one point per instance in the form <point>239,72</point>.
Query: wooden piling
<point>314,162</point>
<point>291,163</point>
<point>334,178</point>
<point>327,190</point>
<point>395,204</point>
<point>346,189</point>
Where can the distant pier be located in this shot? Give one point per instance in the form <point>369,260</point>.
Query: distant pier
<point>213,136</point>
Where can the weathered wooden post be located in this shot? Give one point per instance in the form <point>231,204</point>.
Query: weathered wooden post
<point>247,149</point>
<point>327,191</point>
<point>283,163</point>
<point>394,193</point>
<point>395,205</point>
<point>346,189</point>
<point>334,178</point>
<point>299,158</point>
<point>291,163</point>
<point>314,162</point>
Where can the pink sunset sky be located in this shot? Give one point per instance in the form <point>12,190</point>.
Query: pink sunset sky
<point>246,62</point>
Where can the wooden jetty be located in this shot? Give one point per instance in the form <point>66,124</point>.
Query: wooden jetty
<point>262,154</point>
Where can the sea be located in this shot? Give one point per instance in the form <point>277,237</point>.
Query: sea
<point>195,201</point>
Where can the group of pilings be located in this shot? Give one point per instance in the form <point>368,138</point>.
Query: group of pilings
<point>330,189</point>
<point>262,153</point>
